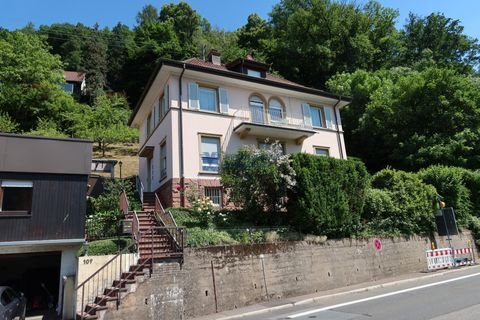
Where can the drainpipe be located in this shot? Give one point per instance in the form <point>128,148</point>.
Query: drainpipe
<point>339,140</point>
<point>180,136</point>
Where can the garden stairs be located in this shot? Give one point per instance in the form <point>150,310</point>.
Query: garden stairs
<point>157,239</point>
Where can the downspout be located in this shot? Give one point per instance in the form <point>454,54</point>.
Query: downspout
<point>180,137</point>
<point>339,140</point>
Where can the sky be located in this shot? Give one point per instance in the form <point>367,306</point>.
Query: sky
<point>225,14</point>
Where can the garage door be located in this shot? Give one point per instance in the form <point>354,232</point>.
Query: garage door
<point>36,275</point>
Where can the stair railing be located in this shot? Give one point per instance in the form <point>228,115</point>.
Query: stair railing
<point>105,277</point>
<point>165,218</point>
<point>136,227</point>
<point>177,237</point>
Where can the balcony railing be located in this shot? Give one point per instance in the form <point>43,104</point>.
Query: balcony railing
<point>271,117</point>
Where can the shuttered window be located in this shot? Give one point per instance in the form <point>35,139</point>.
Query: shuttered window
<point>16,196</point>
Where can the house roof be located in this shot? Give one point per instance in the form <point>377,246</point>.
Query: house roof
<point>74,76</point>
<point>200,65</point>
<point>208,64</point>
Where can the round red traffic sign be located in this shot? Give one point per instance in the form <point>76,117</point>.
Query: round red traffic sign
<point>377,244</point>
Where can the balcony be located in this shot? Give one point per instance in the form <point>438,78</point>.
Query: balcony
<point>271,123</point>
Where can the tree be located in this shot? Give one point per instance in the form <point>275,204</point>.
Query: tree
<point>105,123</point>
<point>7,124</point>
<point>442,39</point>
<point>255,36</point>
<point>400,203</point>
<point>94,63</point>
<point>47,128</point>
<point>121,47</point>
<point>30,81</point>
<point>411,119</point>
<point>258,179</point>
<point>186,23</point>
<point>315,39</point>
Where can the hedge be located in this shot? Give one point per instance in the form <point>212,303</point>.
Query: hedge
<point>329,195</point>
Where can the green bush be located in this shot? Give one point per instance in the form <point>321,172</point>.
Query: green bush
<point>474,226</point>
<point>108,200</point>
<point>104,247</point>
<point>329,195</point>
<point>258,179</point>
<point>450,184</point>
<point>472,182</point>
<point>403,204</point>
<point>197,237</point>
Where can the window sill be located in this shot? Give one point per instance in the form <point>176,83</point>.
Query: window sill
<point>15,214</point>
<point>162,178</point>
<point>209,173</point>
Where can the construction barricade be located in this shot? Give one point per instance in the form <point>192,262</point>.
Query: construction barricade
<point>463,257</point>
<point>439,259</point>
<point>444,258</point>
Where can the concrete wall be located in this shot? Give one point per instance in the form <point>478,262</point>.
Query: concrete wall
<point>88,265</point>
<point>290,269</point>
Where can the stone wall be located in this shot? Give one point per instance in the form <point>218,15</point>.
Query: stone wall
<point>226,277</point>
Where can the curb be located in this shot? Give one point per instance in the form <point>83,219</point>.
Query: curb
<point>316,299</point>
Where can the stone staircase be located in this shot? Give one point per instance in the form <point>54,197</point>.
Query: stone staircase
<point>155,242</point>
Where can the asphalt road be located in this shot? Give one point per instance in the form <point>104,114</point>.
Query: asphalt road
<point>454,296</point>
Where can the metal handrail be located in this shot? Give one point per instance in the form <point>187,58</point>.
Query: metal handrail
<point>166,219</point>
<point>99,279</point>
<point>275,119</point>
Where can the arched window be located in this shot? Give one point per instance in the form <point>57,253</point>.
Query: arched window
<point>275,110</point>
<point>257,109</point>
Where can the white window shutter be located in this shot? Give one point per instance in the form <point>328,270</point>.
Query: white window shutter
<point>329,118</point>
<point>223,93</point>
<point>193,95</point>
<point>307,118</point>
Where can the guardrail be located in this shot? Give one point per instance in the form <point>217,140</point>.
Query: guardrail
<point>274,118</point>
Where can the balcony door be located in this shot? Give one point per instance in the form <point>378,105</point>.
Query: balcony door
<point>257,110</point>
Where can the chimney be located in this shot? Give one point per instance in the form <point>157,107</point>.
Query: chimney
<point>214,57</point>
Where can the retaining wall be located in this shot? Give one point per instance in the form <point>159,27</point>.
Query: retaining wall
<point>226,277</point>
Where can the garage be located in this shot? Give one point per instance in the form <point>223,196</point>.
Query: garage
<point>37,275</point>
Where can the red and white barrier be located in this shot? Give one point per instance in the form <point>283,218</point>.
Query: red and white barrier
<point>448,258</point>
<point>439,259</point>
<point>463,257</point>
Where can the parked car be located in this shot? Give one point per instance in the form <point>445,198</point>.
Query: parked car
<point>12,304</point>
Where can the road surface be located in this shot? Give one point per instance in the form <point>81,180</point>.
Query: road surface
<point>454,295</point>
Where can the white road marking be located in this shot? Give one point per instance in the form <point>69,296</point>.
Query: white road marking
<point>306,313</point>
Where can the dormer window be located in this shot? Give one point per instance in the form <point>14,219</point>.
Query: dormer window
<point>249,66</point>
<point>254,73</point>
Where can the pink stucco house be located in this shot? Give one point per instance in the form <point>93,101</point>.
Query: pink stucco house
<point>194,111</point>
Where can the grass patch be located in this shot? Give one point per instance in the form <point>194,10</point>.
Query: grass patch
<point>126,152</point>
<point>228,227</point>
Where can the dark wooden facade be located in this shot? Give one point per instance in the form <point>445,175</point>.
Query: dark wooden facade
<point>57,170</point>
<point>58,208</point>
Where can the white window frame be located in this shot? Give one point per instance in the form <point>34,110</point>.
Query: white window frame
<point>321,113</point>
<point>327,151</point>
<point>212,91</point>
<point>278,107</point>
<point>204,165</point>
